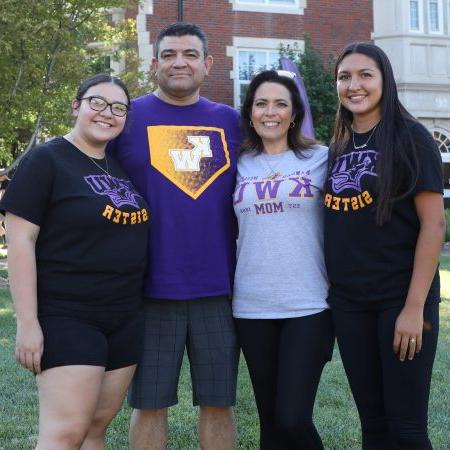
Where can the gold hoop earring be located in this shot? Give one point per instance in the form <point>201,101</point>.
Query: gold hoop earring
<point>251,123</point>
<point>292,125</point>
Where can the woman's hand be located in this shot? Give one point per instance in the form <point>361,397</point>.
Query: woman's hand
<point>22,236</point>
<point>409,323</point>
<point>408,331</point>
<point>29,345</point>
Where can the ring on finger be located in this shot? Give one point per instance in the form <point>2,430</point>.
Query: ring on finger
<point>412,340</point>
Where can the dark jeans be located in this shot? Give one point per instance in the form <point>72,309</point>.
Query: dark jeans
<point>285,358</point>
<point>391,396</point>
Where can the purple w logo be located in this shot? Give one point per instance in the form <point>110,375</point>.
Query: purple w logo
<point>121,192</point>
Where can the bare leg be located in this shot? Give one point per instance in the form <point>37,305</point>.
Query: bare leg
<point>68,396</point>
<point>216,428</point>
<point>148,430</point>
<point>112,393</point>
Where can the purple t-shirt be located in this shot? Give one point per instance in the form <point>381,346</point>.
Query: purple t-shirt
<point>182,159</point>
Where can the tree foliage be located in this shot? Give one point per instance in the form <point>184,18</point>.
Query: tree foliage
<point>320,86</point>
<point>46,49</point>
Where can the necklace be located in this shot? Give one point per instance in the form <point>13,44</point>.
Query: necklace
<point>273,168</point>
<point>99,166</point>
<point>69,138</point>
<point>357,147</point>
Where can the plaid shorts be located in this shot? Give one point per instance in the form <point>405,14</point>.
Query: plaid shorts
<point>205,327</point>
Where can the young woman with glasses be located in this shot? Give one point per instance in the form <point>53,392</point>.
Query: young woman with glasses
<point>280,290</point>
<point>76,232</point>
<point>384,225</point>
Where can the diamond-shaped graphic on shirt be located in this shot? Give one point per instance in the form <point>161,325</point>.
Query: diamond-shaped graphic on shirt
<point>190,157</point>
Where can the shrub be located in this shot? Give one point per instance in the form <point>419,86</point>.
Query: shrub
<point>317,74</point>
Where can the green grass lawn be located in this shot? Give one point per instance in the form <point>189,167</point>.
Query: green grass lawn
<point>335,413</point>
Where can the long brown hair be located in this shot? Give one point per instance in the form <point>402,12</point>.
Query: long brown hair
<point>397,163</point>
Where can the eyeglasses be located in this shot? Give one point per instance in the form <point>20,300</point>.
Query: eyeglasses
<point>100,104</point>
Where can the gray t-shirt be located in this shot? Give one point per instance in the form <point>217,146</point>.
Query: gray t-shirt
<point>278,203</point>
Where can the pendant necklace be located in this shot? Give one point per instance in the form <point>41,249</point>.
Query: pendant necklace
<point>357,147</point>
<point>70,139</point>
<point>99,166</point>
<point>273,168</point>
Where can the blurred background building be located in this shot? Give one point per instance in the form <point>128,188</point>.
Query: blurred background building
<point>416,36</point>
<point>245,36</point>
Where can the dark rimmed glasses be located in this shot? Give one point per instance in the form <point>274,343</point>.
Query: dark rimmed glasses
<point>99,104</point>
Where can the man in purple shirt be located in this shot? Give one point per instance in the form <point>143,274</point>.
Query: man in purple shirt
<point>180,151</point>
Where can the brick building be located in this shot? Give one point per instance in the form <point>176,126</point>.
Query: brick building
<point>245,35</point>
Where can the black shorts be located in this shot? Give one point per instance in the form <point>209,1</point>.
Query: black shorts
<point>110,339</point>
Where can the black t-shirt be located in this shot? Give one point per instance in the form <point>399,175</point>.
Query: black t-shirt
<point>91,247</point>
<point>367,263</point>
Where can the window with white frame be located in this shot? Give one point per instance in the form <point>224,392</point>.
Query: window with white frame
<point>250,62</point>
<point>442,140</point>
<point>435,19</point>
<point>416,15</point>
<point>143,35</point>
<point>251,55</point>
<point>448,17</point>
<point>273,6</point>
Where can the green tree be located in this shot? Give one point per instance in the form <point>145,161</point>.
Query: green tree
<point>46,49</point>
<point>320,86</point>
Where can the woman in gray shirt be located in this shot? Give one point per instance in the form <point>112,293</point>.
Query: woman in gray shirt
<point>280,289</point>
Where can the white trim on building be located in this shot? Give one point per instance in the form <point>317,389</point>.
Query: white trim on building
<point>420,59</point>
<point>270,6</point>
<point>448,17</point>
<point>117,16</point>
<point>442,137</point>
<point>145,49</point>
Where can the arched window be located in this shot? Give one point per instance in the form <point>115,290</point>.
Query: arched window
<point>442,138</point>
<point>442,141</point>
